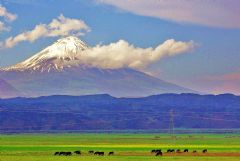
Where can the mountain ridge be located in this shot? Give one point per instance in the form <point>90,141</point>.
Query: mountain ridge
<point>104,112</point>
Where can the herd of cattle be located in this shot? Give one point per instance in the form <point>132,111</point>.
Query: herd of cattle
<point>78,152</point>
<point>157,152</point>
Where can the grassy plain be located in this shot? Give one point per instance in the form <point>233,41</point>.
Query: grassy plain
<point>133,147</point>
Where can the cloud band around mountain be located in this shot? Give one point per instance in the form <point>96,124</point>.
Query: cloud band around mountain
<point>121,54</point>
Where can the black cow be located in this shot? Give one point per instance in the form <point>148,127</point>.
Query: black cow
<point>185,151</point>
<point>99,153</point>
<point>204,151</point>
<point>153,151</point>
<point>78,152</point>
<point>178,151</point>
<point>159,153</point>
<point>56,153</point>
<point>158,150</point>
<point>111,153</point>
<point>90,152</point>
<point>195,151</point>
<point>68,153</point>
<point>170,150</point>
<point>65,153</point>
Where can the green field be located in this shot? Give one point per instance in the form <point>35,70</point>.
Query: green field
<point>134,147</point>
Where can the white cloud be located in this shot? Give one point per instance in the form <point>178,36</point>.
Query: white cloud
<point>122,54</point>
<point>3,27</point>
<point>61,26</point>
<point>7,15</point>
<point>214,13</point>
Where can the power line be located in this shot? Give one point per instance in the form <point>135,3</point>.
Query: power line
<point>207,118</point>
<point>110,112</point>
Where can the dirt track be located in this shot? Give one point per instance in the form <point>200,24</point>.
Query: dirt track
<point>219,154</point>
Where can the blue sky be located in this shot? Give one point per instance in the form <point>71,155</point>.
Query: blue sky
<point>213,66</point>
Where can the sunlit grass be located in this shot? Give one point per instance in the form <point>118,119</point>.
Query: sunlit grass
<point>40,147</point>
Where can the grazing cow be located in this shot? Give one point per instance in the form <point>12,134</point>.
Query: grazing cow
<point>185,151</point>
<point>204,151</point>
<point>90,152</point>
<point>159,153</point>
<point>178,151</point>
<point>99,153</point>
<point>153,151</point>
<point>56,153</point>
<point>158,150</point>
<point>78,152</point>
<point>65,153</point>
<point>111,153</point>
<point>194,151</point>
<point>68,153</point>
<point>170,151</point>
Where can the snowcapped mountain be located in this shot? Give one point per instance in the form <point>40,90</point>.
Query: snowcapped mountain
<point>62,54</point>
<point>56,70</point>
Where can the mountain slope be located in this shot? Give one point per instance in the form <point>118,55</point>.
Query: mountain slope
<point>57,71</point>
<point>6,90</point>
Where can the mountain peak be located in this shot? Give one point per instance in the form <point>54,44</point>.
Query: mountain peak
<point>61,54</point>
<point>71,40</point>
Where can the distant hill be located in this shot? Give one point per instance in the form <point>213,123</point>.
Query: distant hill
<point>104,112</point>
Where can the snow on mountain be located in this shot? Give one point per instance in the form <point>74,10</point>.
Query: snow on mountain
<point>56,70</point>
<point>62,54</point>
